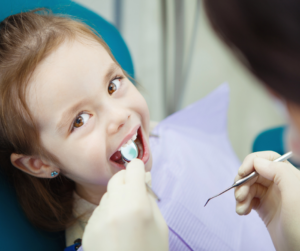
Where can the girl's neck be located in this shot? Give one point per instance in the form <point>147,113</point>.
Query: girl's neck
<point>92,194</point>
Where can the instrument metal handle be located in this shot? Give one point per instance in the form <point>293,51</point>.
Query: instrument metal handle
<point>255,174</point>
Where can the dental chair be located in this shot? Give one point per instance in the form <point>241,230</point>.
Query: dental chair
<point>16,232</point>
<point>273,139</point>
<point>270,140</point>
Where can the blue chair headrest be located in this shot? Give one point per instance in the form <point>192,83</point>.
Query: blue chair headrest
<point>107,31</point>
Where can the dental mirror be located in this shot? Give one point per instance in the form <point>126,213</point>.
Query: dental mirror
<point>129,152</point>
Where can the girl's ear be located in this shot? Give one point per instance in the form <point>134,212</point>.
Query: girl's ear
<point>33,165</point>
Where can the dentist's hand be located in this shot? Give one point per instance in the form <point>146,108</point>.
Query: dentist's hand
<point>128,218</point>
<point>275,195</point>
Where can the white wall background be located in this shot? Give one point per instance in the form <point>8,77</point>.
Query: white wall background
<point>251,109</point>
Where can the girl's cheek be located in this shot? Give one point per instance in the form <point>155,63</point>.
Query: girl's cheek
<point>145,111</point>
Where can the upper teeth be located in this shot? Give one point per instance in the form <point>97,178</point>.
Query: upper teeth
<point>129,141</point>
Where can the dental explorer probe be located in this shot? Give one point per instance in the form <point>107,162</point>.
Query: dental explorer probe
<point>130,152</point>
<point>251,176</point>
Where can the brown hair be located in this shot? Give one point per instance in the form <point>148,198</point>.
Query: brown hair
<point>25,40</point>
<point>267,34</point>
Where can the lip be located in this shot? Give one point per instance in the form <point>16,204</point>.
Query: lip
<point>146,155</point>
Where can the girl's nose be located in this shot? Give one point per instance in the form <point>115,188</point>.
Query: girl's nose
<point>117,119</point>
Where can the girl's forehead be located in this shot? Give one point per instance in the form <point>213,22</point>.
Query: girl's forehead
<point>68,73</point>
<point>79,54</point>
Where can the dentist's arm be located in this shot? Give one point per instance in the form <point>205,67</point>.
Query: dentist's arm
<point>275,195</point>
<point>128,218</point>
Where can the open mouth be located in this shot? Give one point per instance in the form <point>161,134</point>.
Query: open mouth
<point>143,152</point>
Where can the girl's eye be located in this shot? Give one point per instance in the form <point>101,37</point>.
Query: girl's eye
<point>114,86</point>
<point>81,120</point>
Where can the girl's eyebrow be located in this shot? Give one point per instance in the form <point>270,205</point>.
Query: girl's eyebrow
<point>69,114</point>
<point>110,72</point>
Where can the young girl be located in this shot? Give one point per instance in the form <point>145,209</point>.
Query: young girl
<point>66,109</point>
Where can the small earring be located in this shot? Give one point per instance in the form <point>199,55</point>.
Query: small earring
<point>54,173</point>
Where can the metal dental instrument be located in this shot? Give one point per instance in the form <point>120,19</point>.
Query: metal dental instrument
<point>251,176</point>
<point>129,153</point>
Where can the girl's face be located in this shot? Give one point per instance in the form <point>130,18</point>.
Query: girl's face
<point>86,109</point>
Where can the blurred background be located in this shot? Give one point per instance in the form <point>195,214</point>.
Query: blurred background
<point>178,60</point>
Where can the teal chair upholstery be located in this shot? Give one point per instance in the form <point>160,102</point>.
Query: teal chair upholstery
<point>107,31</point>
<point>270,140</point>
<point>273,140</point>
<point>16,232</point>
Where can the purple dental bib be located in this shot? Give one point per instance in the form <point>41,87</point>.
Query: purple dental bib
<point>193,160</point>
